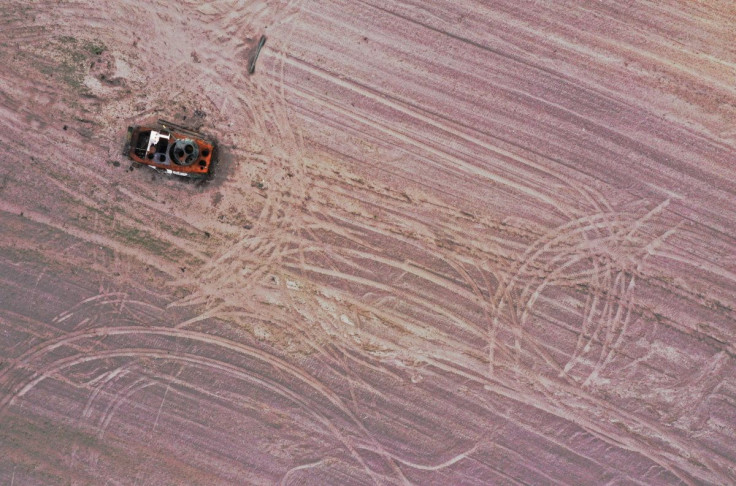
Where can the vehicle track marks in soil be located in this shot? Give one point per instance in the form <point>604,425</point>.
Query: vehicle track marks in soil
<point>201,361</point>
<point>623,253</point>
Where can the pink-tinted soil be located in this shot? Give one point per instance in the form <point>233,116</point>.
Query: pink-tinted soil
<point>448,242</point>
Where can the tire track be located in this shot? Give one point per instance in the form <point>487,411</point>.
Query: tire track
<point>195,360</point>
<point>686,471</point>
<point>617,308</point>
<point>21,389</point>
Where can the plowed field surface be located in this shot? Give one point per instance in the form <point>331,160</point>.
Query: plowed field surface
<point>447,242</point>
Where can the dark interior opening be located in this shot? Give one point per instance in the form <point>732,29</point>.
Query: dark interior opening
<point>142,143</point>
<point>161,145</point>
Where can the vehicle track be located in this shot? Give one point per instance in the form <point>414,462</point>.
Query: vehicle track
<point>446,242</point>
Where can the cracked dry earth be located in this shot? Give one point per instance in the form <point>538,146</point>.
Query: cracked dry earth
<point>448,242</point>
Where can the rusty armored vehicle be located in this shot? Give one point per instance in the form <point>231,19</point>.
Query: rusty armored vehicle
<point>171,148</point>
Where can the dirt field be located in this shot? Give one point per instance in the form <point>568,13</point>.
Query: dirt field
<point>448,242</point>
